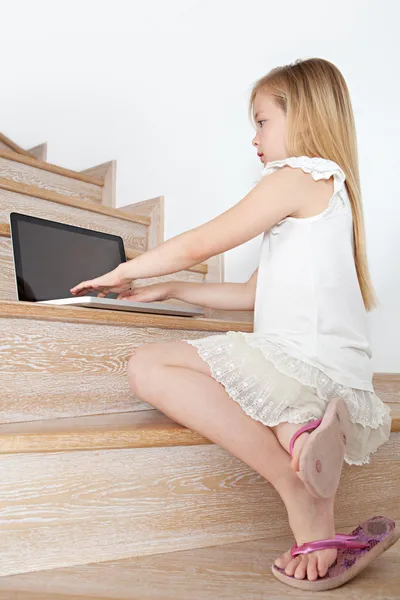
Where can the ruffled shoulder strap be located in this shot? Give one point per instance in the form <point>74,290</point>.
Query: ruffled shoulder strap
<point>320,168</point>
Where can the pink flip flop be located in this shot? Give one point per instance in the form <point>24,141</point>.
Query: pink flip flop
<point>321,457</point>
<point>355,551</point>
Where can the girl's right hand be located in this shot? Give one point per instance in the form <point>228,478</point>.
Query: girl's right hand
<point>147,293</point>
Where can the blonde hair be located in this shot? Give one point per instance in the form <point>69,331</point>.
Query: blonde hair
<point>315,99</point>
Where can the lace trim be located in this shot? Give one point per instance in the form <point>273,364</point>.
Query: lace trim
<point>364,406</point>
<point>320,168</point>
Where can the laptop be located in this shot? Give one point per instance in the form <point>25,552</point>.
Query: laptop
<point>50,258</point>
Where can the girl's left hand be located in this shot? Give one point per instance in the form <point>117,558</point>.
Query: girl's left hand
<point>110,282</point>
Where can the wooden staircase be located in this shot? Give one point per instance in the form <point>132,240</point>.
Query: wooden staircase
<point>89,473</point>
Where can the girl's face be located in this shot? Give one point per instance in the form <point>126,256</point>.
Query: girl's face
<point>270,131</point>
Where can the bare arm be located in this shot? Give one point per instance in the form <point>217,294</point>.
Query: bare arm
<point>273,198</point>
<point>225,296</point>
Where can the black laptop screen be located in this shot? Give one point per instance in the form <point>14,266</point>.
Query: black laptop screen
<point>50,258</point>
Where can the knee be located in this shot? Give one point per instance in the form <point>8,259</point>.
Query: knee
<point>138,366</point>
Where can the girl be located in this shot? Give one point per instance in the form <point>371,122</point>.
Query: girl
<point>299,388</point>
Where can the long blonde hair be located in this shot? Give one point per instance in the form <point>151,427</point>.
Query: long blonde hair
<point>315,99</point>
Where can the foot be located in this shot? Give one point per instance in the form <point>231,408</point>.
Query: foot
<point>310,519</point>
<point>284,433</point>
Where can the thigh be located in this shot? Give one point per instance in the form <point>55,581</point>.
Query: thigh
<point>174,354</point>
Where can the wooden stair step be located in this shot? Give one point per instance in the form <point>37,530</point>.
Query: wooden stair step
<point>235,571</point>
<point>27,169</point>
<point>81,354</point>
<point>80,314</point>
<point>10,145</point>
<point>138,429</point>
<point>47,204</point>
<point>78,503</point>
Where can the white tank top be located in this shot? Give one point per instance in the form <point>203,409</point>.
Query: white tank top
<point>308,299</point>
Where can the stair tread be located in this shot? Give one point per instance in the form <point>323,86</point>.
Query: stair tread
<point>80,314</point>
<point>134,429</point>
<point>52,168</point>
<point>69,201</point>
<point>232,571</point>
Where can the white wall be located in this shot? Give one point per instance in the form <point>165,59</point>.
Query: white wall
<point>163,88</point>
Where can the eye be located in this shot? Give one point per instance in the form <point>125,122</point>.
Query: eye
<point>262,121</point>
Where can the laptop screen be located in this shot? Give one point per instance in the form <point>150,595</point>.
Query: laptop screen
<point>50,258</point>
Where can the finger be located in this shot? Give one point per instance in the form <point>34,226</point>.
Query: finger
<point>80,287</point>
<point>80,292</point>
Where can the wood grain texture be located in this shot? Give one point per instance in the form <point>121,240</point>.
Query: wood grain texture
<point>75,212</point>
<point>134,429</point>
<point>107,173</point>
<point>41,164</point>
<point>52,197</point>
<point>139,429</point>
<point>63,361</point>
<point>98,172</point>
<point>69,508</point>
<point>4,146</point>
<point>8,144</point>
<point>109,195</point>
<point>49,180</point>
<point>39,152</point>
<point>235,571</point>
<point>44,312</point>
<point>387,386</point>
<point>154,209</point>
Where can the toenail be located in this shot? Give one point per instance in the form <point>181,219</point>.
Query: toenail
<point>318,466</point>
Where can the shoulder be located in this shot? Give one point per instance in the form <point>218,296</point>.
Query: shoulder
<point>309,179</point>
<point>318,167</point>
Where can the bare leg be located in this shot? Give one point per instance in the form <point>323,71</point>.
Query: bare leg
<point>203,405</point>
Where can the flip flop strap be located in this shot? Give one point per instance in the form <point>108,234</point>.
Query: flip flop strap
<point>340,541</point>
<point>306,427</point>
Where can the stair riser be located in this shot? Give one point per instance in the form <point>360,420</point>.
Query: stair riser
<point>54,369</point>
<point>71,508</point>
<point>22,173</point>
<point>133,234</point>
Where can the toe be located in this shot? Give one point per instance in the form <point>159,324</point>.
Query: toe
<point>322,566</point>
<point>312,572</point>
<point>301,568</point>
<point>292,565</point>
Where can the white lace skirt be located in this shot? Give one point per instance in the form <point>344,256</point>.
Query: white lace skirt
<point>273,387</point>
